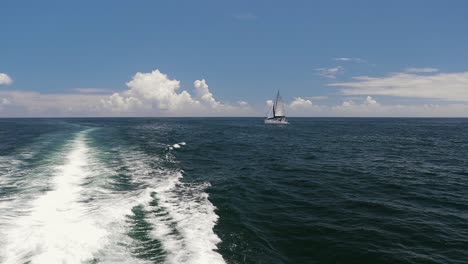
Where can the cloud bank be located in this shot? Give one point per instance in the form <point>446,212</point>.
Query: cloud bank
<point>441,86</point>
<point>370,107</point>
<point>156,94</point>
<point>148,94</point>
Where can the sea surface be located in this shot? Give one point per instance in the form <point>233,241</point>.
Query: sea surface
<point>233,190</point>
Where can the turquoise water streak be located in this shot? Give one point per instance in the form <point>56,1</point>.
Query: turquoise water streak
<point>317,191</point>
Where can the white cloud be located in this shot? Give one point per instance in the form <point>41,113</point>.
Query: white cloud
<point>34,104</point>
<point>93,90</point>
<point>300,102</point>
<point>155,93</point>
<point>204,94</point>
<point>369,107</point>
<point>347,59</point>
<point>149,91</point>
<point>347,103</point>
<point>5,79</point>
<point>421,70</point>
<point>442,86</point>
<point>350,108</point>
<point>243,104</point>
<point>371,101</point>
<point>148,94</point>
<point>330,72</point>
<point>317,97</point>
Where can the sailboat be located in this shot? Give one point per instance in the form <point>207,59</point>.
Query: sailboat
<point>277,115</point>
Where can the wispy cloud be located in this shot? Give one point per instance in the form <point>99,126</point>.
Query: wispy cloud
<point>421,70</point>
<point>93,90</point>
<point>330,72</point>
<point>5,79</point>
<point>34,104</point>
<point>317,97</point>
<point>442,86</point>
<point>245,16</point>
<point>348,59</point>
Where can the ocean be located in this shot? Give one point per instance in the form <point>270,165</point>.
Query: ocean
<point>233,190</point>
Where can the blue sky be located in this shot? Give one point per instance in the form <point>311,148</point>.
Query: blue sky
<point>244,50</point>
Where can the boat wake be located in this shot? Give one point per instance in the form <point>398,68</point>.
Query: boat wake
<point>130,210</point>
<point>54,228</point>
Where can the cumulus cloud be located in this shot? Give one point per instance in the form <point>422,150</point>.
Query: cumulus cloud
<point>300,102</point>
<point>155,93</point>
<point>204,94</point>
<point>148,91</point>
<point>371,101</point>
<point>330,72</point>
<point>148,94</point>
<point>5,79</point>
<point>442,86</point>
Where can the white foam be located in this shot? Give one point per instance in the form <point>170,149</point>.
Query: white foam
<point>59,227</point>
<point>176,146</point>
<point>193,214</point>
<point>184,225</point>
<point>79,219</point>
<point>54,231</point>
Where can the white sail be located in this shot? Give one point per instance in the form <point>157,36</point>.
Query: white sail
<point>270,113</point>
<point>279,107</point>
<point>277,115</point>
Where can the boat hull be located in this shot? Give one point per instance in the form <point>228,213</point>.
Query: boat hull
<point>276,122</point>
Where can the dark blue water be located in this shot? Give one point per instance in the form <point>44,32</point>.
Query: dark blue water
<point>233,190</point>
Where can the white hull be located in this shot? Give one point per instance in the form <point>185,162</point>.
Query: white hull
<point>276,122</point>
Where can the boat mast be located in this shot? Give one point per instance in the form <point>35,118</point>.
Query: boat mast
<point>274,106</point>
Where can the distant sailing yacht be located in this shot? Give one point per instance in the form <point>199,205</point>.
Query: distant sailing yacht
<point>277,114</point>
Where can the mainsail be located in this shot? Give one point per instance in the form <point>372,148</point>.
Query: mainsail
<point>278,107</point>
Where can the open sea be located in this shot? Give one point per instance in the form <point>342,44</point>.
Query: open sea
<point>233,190</point>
